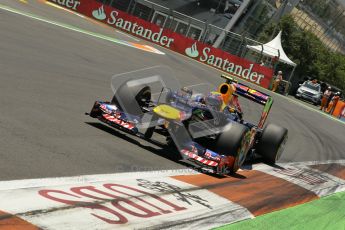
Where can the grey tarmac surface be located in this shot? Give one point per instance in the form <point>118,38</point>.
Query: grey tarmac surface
<point>50,76</point>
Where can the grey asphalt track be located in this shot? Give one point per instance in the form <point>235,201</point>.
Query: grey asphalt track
<point>50,76</point>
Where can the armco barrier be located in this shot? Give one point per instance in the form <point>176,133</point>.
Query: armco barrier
<point>201,52</point>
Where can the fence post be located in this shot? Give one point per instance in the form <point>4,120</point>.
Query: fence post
<point>224,38</point>
<point>151,13</point>
<point>240,48</point>
<point>129,6</point>
<point>133,9</point>
<point>204,35</point>
<point>188,28</point>
<point>171,15</point>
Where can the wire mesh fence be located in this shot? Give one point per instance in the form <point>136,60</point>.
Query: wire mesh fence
<point>327,33</point>
<point>185,25</point>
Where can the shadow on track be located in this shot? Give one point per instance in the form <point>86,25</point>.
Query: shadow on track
<point>249,164</point>
<point>164,150</point>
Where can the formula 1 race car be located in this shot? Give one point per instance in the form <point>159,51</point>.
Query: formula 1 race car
<point>208,130</point>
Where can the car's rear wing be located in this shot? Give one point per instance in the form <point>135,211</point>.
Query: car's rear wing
<point>247,92</point>
<point>253,95</point>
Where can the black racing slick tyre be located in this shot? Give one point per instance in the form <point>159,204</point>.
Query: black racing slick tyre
<point>127,96</point>
<point>233,142</point>
<point>272,143</point>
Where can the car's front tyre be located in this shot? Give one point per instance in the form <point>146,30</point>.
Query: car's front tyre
<point>127,96</point>
<point>233,142</point>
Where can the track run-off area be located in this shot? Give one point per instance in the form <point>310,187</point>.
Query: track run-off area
<point>60,169</point>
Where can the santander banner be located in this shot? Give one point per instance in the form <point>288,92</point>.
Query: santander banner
<point>199,51</point>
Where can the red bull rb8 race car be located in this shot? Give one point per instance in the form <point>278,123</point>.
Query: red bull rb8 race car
<point>208,130</point>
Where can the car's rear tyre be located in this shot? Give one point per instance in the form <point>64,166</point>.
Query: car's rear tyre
<point>126,96</point>
<point>272,143</point>
<point>233,142</point>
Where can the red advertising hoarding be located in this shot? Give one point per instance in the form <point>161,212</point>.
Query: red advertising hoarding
<point>199,51</point>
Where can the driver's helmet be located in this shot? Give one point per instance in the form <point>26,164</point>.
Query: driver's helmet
<point>200,98</point>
